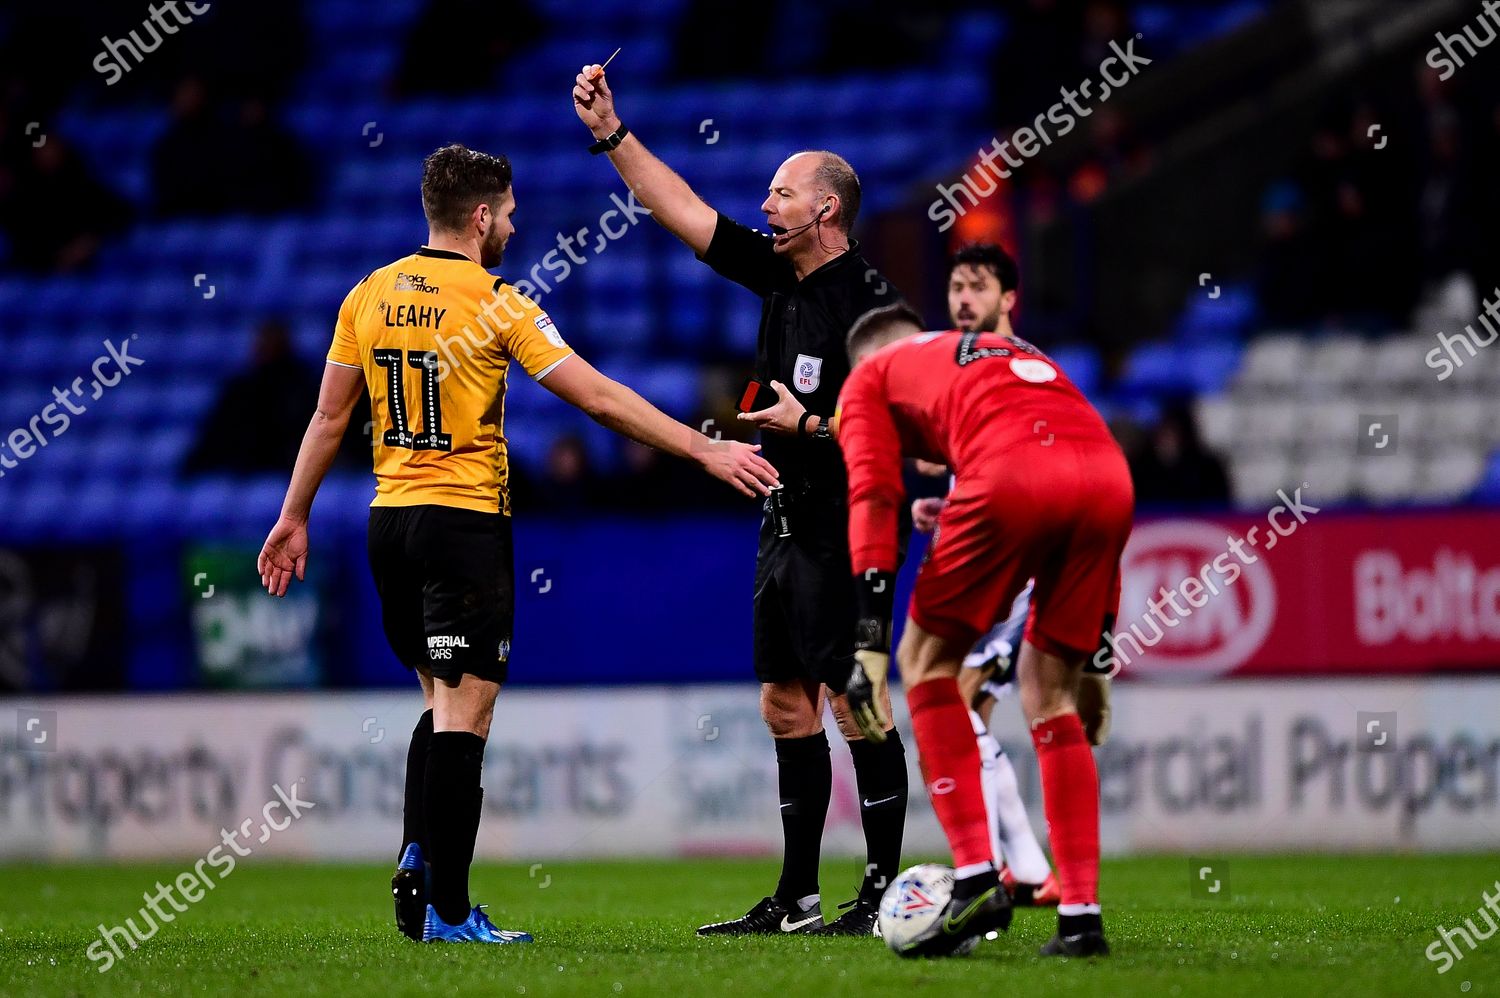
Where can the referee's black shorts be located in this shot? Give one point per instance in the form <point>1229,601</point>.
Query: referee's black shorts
<point>446,579</point>
<point>804,597</point>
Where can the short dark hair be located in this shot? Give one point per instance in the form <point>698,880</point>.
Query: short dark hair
<point>455,179</point>
<point>835,175</point>
<point>877,322</point>
<point>1000,263</point>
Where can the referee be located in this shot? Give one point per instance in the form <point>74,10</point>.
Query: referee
<point>813,283</point>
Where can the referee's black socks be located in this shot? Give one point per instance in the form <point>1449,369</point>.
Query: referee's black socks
<point>880,775</point>
<point>804,773</point>
<point>453,800</point>
<point>413,815</point>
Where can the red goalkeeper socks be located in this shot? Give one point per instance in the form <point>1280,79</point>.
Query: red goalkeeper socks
<point>1070,795</point>
<point>950,766</point>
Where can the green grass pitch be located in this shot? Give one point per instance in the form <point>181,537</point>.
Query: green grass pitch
<point>1289,925</point>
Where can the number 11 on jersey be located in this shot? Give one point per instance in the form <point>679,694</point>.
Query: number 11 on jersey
<point>401,435</point>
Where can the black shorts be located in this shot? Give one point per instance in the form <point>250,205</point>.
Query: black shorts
<point>446,579</point>
<point>804,598</point>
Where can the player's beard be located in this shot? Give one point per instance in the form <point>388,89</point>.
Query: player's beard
<point>492,250</point>
<point>987,324</point>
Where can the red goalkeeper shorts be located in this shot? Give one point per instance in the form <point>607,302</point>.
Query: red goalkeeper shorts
<point>1060,515</point>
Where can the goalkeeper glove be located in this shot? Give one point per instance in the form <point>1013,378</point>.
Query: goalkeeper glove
<point>1094,688</point>
<point>866,688</point>
<point>866,693</point>
<point>1093,706</point>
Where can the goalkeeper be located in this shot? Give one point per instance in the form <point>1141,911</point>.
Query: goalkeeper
<point>1056,510</point>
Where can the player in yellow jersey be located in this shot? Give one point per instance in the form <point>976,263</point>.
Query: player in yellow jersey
<point>432,337</point>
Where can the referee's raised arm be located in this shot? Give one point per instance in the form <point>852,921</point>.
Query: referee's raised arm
<point>668,197</point>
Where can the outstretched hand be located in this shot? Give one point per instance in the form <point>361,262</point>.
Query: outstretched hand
<point>740,465</point>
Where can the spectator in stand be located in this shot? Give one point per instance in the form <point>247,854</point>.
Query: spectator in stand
<point>210,162</point>
<point>568,482</point>
<point>723,41</point>
<point>1175,468</point>
<point>189,172</point>
<point>492,33</point>
<point>260,415</point>
<point>54,212</point>
<point>246,50</point>
<point>1038,54</point>
<point>270,172</point>
<point>1448,230</point>
<point>1292,267</point>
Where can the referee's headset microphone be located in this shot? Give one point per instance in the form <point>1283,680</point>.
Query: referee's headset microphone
<point>798,230</point>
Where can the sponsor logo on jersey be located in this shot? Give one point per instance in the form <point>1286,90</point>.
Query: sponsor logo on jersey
<point>1038,372</point>
<point>548,328</point>
<point>415,282</point>
<point>809,373</point>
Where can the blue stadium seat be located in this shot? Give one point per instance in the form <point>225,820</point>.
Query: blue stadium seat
<point>1227,317</point>
<point>1082,366</point>
<point>1180,369</point>
<point>148,496</point>
<point>642,299</point>
<point>1488,491</point>
<point>1211,366</point>
<point>209,502</point>
<point>98,507</point>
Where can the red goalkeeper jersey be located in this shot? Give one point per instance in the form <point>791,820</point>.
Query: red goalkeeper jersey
<point>955,398</point>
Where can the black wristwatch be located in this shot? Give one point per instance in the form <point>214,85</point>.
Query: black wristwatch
<point>610,141</point>
<point>821,433</point>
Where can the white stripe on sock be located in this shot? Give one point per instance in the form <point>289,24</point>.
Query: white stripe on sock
<point>1010,826</point>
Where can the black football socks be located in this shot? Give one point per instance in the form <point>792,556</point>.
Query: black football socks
<point>413,813</point>
<point>880,776</point>
<point>804,773</point>
<point>453,801</point>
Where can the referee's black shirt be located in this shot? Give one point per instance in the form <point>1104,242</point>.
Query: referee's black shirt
<point>804,326</point>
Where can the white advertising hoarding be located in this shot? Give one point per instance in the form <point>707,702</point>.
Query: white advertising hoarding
<point>1367,764</point>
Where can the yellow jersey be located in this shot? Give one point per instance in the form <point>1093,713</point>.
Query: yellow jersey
<point>434,334</point>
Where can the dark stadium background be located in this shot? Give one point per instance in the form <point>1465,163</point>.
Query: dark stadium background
<point>1243,256</point>
<point>213,205</point>
<point>1268,256</point>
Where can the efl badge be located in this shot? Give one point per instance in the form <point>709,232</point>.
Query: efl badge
<point>547,328</point>
<point>809,373</point>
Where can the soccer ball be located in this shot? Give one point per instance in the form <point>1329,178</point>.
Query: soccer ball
<point>911,910</point>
